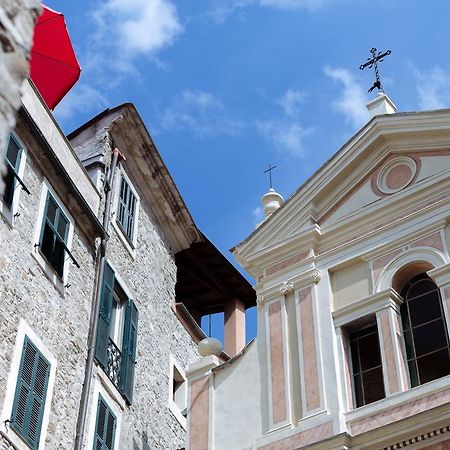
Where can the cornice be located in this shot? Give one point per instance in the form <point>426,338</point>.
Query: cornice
<point>440,275</point>
<point>367,305</point>
<point>301,281</point>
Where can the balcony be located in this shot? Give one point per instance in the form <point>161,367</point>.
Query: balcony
<point>114,363</point>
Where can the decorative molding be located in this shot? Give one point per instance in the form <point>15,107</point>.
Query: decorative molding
<point>366,306</point>
<point>440,275</point>
<point>383,181</point>
<point>287,287</point>
<point>260,299</point>
<point>419,438</point>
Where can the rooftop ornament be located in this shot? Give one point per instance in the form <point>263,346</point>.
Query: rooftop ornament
<point>373,62</point>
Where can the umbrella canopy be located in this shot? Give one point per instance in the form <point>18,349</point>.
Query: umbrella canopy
<point>54,66</point>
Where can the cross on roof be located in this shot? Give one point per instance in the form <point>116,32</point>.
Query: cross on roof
<point>373,62</point>
<point>270,174</point>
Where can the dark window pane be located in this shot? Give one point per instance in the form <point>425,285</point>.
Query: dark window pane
<point>373,385</point>
<point>424,308</point>
<point>409,344</point>
<point>429,337</point>
<point>47,242</point>
<point>58,257</point>
<point>404,311</point>
<point>433,366</point>
<point>413,373</point>
<point>51,210</point>
<point>369,349</point>
<point>63,226</point>
<point>359,397</point>
<point>355,356</point>
<point>10,184</point>
<point>420,287</point>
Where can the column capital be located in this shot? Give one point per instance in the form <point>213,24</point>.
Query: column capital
<point>202,367</point>
<point>440,275</point>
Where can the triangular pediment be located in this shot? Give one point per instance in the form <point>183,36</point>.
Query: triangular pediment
<point>391,156</point>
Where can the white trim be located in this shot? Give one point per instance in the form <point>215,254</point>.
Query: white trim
<point>7,213</point>
<point>173,407</point>
<point>130,246</point>
<point>412,255</point>
<point>25,330</point>
<point>35,251</point>
<point>115,408</point>
<point>384,364</point>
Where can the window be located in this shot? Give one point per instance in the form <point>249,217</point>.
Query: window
<point>55,230</point>
<point>15,165</point>
<point>105,427</point>
<point>117,334</point>
<point>30,395</point>
<point>126,209</point>
<point>178,392</point>
<point>424,331</point>
<point>367,369</point>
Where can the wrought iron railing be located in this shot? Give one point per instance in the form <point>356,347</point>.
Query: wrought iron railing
<point>114,362</point>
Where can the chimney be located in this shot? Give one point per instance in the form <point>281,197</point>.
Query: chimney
<point>381,104</point>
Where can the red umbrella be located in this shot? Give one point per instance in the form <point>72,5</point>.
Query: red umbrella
<point>54,66</point>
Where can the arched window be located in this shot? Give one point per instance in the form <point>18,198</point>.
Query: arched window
<point>424,330</point>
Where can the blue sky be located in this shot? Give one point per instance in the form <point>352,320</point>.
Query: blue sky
<point>228,86</point>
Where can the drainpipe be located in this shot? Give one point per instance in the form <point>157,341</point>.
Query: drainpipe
<point>82,413</point>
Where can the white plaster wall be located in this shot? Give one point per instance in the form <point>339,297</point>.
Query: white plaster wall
<point>431,165</point>
<point>237,403</point>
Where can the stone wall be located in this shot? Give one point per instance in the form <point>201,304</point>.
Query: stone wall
<point>60,321</point>
<point>150,276</point>
<point>17,19</point>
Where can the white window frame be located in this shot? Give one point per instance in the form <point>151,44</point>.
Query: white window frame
<point>47,268</point>
<point>173,407</point>
<point>7,213</point>
<point>117,409</point>
<point>25,330</point>
<point>129,245</point>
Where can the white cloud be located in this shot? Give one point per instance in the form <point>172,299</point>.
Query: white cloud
<point>433,88</point>
<point>291,101</point>
<point>201,113</point>
<point>81,98</point>
<point>286,132</point>
<point>258,214</point>
<point>287,136</point>
<point>224,8</point>
<point>136,27</point>
<point>352,101</point>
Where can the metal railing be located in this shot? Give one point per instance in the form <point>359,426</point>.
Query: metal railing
<point>114,362</point>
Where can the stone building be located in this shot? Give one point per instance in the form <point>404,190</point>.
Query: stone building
<point>95,320</point>
<point>17,19</point>
<point>353,286</point>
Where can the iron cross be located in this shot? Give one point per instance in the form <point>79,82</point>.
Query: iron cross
<point>373,62</point>
<point>270,173</point>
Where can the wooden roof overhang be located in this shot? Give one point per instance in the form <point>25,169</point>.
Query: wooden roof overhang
<point>207,281</point>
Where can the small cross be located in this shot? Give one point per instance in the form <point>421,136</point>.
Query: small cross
<point>373,62</point>
<point>270,173</point>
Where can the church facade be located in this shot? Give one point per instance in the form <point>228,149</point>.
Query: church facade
<point>353,290</point>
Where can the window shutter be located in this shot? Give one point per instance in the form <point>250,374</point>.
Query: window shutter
<point>129,351</point>
<point>105,428</point>
<point>13,156</point>
<point>126,209</point>
<point>104,319</point>
<point>31,390</point>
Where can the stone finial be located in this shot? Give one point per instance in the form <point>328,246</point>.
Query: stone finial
<point>210,346</point>
<point>381,104</point>
<point>271,201</point>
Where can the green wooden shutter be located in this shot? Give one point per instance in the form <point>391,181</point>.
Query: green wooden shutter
<point>129,351</point>
<point>104,319</point>
<point>31,391</point>
<point>13,156</point>
<point>126,209</point>
<point>105,428</point>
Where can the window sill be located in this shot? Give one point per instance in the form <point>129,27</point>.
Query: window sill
<point>108,385</point>
<point>130,246</point>
<point>14,439</point>
<point>399,399</point>
<point>49,272</point>
<point>177,414</point>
